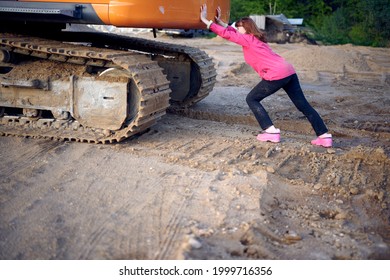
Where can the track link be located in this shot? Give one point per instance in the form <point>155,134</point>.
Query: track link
<point>151,83</point>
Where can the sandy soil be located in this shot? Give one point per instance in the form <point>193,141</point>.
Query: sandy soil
<point>199,186</point>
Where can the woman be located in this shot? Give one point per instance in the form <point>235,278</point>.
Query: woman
<point>276,73</point>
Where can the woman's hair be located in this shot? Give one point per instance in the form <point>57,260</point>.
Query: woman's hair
<point>251,28</point>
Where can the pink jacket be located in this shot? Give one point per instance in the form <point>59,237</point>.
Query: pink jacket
<point>269,65</point>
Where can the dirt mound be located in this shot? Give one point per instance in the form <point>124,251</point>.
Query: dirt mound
<point>320,58</point>
<point>241,69</point>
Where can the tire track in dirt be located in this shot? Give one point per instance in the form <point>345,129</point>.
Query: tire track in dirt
<point>25,157</point>
<point>127,212</point>
<point>148,226</point>
<point>33,158</point>
<point>33,206</point>
<point>171,232</point>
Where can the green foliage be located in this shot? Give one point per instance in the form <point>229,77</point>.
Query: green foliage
<point>360,22</point>
<point>333,29</point>
<point>377,21</point>
<point>357,34</point>
<point>240,8</point>
<point>290,8</point>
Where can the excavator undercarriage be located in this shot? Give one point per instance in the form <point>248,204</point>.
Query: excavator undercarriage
<point>95,87</point>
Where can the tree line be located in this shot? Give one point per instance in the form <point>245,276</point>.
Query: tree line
<point>360,22</point>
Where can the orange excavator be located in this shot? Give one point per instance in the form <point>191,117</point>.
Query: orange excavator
<point>91,86</point>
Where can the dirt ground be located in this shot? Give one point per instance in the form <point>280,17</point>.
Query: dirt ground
<point>199,185</point>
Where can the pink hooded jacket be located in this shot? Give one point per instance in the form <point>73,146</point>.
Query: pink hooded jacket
<point>269,65</point>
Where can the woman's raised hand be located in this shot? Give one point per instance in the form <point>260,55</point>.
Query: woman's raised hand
<point>203,13</point>
<point>218,16</point>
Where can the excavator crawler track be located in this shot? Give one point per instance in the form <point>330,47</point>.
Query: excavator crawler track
<point>141,60</point>
<point>142,73</point>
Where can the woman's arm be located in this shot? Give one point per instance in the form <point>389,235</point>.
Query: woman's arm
<point>203,16</point>
<point>228,33</point>
<point>231,34</point>
<point>218,18</point>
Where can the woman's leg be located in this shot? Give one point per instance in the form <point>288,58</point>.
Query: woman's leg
<point>258,93</point>
<point>296,95</point>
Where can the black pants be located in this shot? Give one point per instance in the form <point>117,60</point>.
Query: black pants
<point>293,89</point>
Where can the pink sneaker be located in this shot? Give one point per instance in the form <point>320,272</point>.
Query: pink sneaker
<point>324,142</point>
<point>271,137</point>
